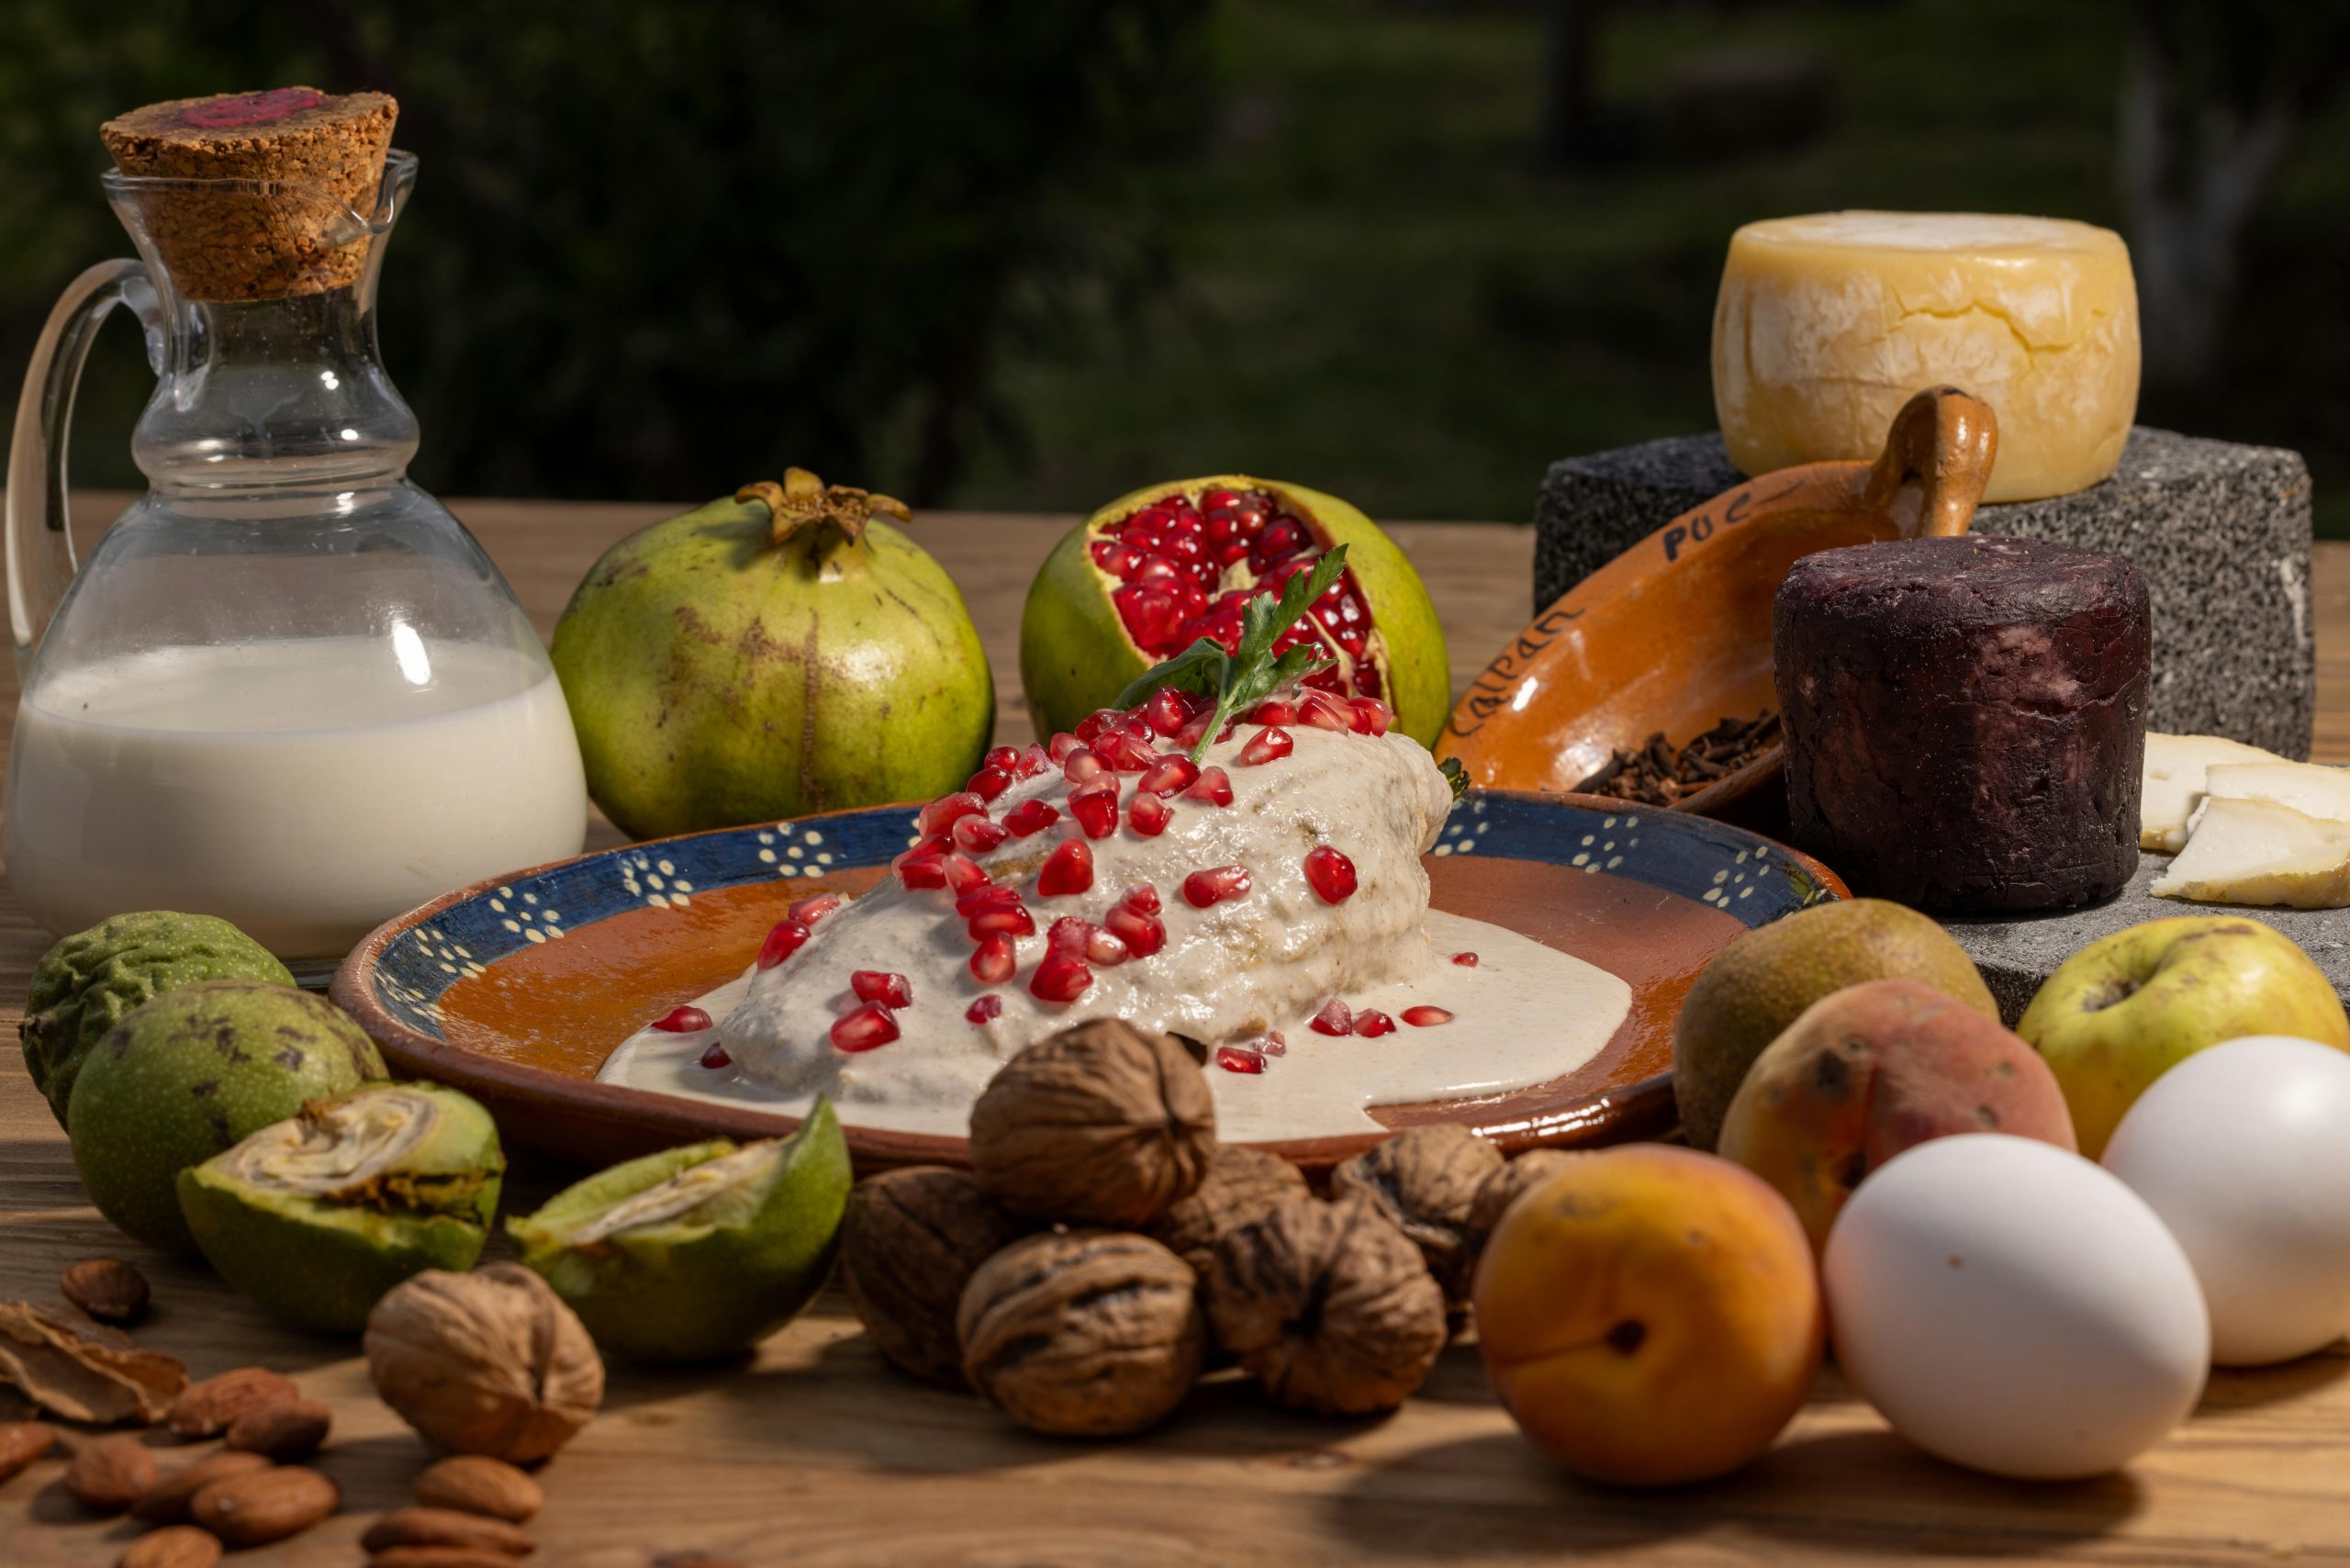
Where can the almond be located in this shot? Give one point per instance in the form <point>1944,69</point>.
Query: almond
<point>476,1484</point>
<point>289,1430</point>
<point>439,1557</point>
<point>110,1475</point>
<point>206,1409</point>
<point>108,1289</point>
<point>174,1546</point>
<point>264,1506</point>
<point>166,1503</point>
<point>22,1442</point>
<point>445,1527</point>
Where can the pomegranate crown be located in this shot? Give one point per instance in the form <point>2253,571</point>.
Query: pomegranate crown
<point>803,500</point>
<point>1237,679</point>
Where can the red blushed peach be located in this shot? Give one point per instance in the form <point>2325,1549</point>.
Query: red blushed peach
<point>1870,1070</point>
<point>1649,1315</point>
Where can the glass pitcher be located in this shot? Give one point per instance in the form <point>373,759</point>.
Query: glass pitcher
<point>287,688</point>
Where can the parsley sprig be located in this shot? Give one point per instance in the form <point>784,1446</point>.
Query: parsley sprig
<point>1237,680</point>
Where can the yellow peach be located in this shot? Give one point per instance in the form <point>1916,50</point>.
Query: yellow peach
<point>1650,1315</point>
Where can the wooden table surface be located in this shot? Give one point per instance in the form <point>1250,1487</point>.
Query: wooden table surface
<point>815,1453</point>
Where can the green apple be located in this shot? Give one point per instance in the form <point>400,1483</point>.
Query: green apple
<point>2129,1007</point>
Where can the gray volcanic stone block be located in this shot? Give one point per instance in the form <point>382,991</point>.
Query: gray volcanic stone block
<point>2220,532</point>
<point>2016,954</point>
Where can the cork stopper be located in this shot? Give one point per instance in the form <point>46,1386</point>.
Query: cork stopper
<point>231,245</point>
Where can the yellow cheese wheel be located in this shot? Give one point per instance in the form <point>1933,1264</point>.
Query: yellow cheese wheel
<point>1827,324</point>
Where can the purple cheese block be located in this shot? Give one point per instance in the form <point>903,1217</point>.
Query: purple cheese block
<point>1966,719</point>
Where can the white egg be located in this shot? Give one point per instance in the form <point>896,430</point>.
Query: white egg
<point>2243,1150</point>
<point>2012,1307</point>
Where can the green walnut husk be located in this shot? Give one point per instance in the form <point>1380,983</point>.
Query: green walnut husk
<point>700,1252</point>
<point>193,1073</point>
<point>90,982</point>
<point>316,1217</point>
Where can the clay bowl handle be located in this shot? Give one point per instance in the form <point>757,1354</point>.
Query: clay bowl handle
<point>1937,459</point>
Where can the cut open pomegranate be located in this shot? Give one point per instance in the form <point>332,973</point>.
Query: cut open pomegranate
<point>1185,564</point>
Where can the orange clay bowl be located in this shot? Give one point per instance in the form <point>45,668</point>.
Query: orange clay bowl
<point>516,989</point>
<point>1674,634</point>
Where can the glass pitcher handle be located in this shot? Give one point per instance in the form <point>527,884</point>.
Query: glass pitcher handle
<point>40,541</point>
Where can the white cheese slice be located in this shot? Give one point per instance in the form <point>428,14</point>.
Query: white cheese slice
<point>1827,324</point>
<point>2308,787</point>
<point>2174,783</point>
<point>2258,852</point>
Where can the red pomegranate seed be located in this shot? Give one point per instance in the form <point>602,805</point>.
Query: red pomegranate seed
<point>682,1021</point>
<point>1089,728</point>
<point>1214,786</point>
<point>994,895</point>
<point>1124,753</point>
<point>1266,745</point>
<point>1272,711</point>
<point>985,1009</point>
<point>1466,960</point>
<point>1336,1018</point>
<point>1150,816</point>
<point>977,836</point>
<point>1013,921</point>
<point>1188,737</point>
<point>1117,557</point>
<point>1094,804</point>
<point>1214,885</point>
<point>942,813</point>
<point>993,960</point>
<point>1282,536</point>
<point>784,939</point>
<point>1030,816</point>
<point>813,907</point>
<point>1332,874</point>
<point>1067,935</point>
<point>1104,949</point>
<point>1169,776</point>
<point>989,782</point>
<point>716,1057</point>
<point>1426,1017</point>
<point>1324,712</point>
<point>1143,932</point>
<point>867,1028</point>
<point>1061,977</point>
<point>1232,1059</point>
<point>881,985</point>
<point>1034,762</point>
<point>1370,1021</point>
<point>1061,745</point>
<point>1001,756</point>
<point>920,872</point>
<point>963,873</point>
<point>1372,717</point>
<point>1067,870</point>
<point>1081,765</point>
<point>1169,710</point>
<point>1142,896</point>
<point>1273,1044</point>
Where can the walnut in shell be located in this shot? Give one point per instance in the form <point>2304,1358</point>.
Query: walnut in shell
<point>1103,1124</point>
<point>1330,1306</point>
<point>910,1242</point>
<point>488,1362</point>
<point>1504,1187</point>
<point>1241,1184</point>
<point>1088,1333</point>
<point>1426,1180</point>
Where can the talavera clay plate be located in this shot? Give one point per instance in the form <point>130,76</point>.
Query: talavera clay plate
<point>515,990</point>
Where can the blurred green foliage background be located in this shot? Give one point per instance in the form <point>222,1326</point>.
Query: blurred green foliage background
<point>1030,253</point>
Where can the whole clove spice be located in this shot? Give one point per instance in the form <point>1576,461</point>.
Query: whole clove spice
<point>1656,775</point>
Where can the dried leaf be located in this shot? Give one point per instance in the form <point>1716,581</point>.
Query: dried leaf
<point>84,1373</point>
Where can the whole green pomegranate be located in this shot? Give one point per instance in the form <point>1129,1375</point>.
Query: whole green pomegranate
<point>775,654</point>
